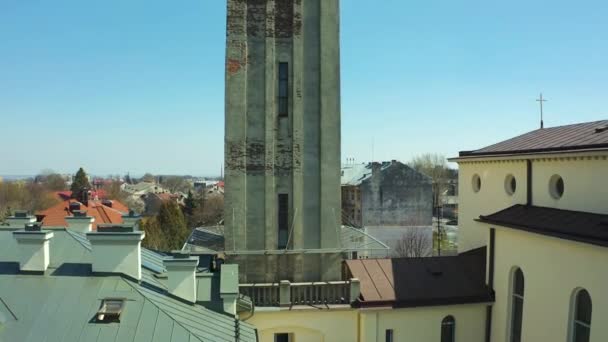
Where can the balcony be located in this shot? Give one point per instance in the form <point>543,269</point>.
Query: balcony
<point>287,294</point>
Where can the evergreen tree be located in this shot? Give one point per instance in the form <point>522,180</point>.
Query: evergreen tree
<point>189,203</point>
<point>173,225</point>
<point>80,183</point>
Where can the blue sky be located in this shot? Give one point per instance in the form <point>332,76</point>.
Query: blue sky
<point>133,86</point>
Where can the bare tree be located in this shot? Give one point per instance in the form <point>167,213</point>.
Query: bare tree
<point>413,244</point>
<point>435,166</point>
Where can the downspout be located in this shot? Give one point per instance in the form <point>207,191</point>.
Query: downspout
<point>490,283</point>
<point>529,182</point>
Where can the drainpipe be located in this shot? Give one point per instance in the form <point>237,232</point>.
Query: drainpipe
<point>529,182</point>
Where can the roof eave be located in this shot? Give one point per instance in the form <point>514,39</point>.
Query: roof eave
<point>524,154</point>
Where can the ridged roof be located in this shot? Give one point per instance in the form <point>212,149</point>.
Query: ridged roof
<point>587,135</point>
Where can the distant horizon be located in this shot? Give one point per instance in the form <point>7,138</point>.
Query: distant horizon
<point>118,87</point>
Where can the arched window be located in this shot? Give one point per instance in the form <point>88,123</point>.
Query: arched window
<point>448,329</point>
<point>581,317</point>
<point>517,304</point>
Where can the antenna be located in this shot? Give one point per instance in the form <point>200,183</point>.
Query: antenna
<point>541,100</point>
<point>372,149</point>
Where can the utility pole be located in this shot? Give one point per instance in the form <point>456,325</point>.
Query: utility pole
<point>541,100</point>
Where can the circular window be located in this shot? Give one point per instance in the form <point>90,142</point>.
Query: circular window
<point>556,186</point>
<point>476,183</point>
<point>510,184</point>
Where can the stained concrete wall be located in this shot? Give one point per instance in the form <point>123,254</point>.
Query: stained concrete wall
<point>299,154</point>
<point>396,195</point>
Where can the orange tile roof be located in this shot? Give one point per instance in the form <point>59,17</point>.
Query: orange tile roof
<point>55,215</point>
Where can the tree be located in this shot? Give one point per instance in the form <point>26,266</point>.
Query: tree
<point>114,191</point>
<point>55,182</point>
<point>148,177</point>
<point>155,239</point>
<point>80,182</point>
<point>413,244</point>
<point>436,167</point>
<point>189,204</point>
<point>173,224</point>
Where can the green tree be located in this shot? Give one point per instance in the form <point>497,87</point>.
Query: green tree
<point>173,224</point>
<point>189,203</point>
<point>155,239</point>
<point>80,182</point>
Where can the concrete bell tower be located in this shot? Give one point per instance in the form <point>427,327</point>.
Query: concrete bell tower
<point>282,139</point>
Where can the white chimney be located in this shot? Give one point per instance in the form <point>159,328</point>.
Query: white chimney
<point>181,273</point>
<point>20,219</point>
<point>80,222</point>
<point>229,287</point>
<point>116,249</point>
<point>33,248</point>
<point>131,219</point>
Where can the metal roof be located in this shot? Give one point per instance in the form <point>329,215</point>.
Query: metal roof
<point>581,136</point>
<point>565,224</point>
<point>411,282</point>
<point>60,305</point>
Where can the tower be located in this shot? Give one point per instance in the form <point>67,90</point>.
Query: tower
<point>282,139</point>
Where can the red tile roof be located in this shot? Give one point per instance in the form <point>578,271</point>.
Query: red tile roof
<point>55,215</point>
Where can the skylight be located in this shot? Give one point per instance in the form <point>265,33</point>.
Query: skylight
<point>110,310</point>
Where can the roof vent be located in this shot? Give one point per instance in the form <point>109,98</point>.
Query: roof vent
<point>107,203</point>
<point>74,206</point>
<point>110,310</point>
<point>20,213</point>
<point>601,129</point>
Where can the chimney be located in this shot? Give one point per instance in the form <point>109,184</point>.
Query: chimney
<point>229,287</point>
<point>80,222</point>
<point>181,273</point>
<point>131,219</point>
<point>376,168</point>
<point>33,248</point>
<point>116,249</point>
<point>84,197</point>
<point>20,219</point>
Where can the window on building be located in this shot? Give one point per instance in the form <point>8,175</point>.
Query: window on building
<point>510,184</point>
<point>581,317</point>
<point>389,335</point>
<point>283,89</point>
<point>282,337</point>
<point>556,186</point>
<point>476,183</point>
<point>517,304</point>
<point>283,220</point>
<point>448,329</point>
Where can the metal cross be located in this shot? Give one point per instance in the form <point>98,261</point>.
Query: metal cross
<point>541,100</point>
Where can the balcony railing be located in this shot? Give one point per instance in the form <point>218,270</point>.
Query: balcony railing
<point>286,293</point>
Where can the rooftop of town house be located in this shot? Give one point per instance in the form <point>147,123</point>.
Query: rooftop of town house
<point>62,303</point>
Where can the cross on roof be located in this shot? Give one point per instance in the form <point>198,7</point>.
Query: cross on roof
<point>541,100</point>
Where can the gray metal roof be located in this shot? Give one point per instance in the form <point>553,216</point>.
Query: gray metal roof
<point>60,305</point>
<point>586,135</point>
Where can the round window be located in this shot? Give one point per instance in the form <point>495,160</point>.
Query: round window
<point>510,184</point>
<point>556,186</point>
<point>476,183</point>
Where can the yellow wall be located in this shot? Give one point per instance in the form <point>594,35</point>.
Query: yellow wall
<point>491,198</point>
<point>424,323</point>
<point>584,183</point>
<point>307,325</point>
<point>553,268</point>
<point>368,325</point>
<point>583,175</point>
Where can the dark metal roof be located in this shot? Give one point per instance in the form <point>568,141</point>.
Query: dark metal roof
<point>588,135</point>
<point>566,224</point>
<point>411,282</point>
